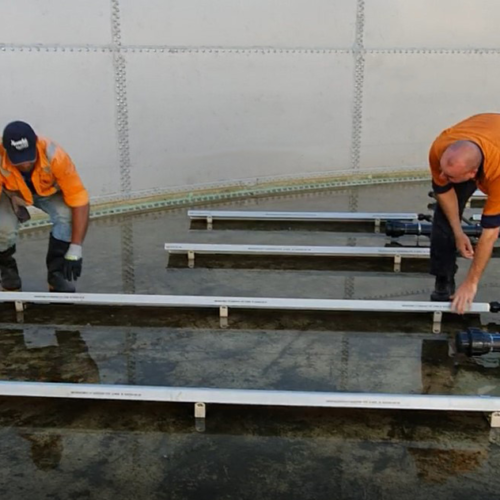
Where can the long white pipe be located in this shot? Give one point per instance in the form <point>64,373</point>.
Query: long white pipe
<point>250,397</point>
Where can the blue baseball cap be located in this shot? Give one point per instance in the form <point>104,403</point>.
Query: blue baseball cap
<point>19,140</point>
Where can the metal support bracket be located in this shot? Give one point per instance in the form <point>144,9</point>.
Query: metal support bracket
<point>436,321</point>
<point>377,225</point>
<point>397,263</point>
<point>210,222</point>
<point>495,419</point>
<point>190,259</point>
<point>200,414</point>
<point>224,316</point>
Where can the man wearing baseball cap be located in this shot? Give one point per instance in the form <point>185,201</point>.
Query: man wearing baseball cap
<point>36,171</point>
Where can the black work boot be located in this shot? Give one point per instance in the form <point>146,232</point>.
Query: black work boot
<point>443,289</point>
<point>55,266</point>
<point>8,270</point>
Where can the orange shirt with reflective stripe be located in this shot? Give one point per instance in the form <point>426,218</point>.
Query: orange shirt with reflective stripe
<point>48,175</point>
<point>484,130</point>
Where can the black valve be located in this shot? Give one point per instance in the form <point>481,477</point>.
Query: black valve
<point>475,342</point>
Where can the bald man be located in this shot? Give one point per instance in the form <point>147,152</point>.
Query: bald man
<point>463,158</point>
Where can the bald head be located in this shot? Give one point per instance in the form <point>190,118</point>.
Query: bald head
<point>460,161</point>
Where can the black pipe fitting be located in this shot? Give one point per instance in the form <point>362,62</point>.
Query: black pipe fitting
<point>425,217</point>
<point>475,342</point>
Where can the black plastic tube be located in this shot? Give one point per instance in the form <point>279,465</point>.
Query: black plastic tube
<point>396,228</point>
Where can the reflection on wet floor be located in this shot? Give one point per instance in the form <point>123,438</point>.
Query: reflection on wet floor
<point>82,449</point>
<point>110,450</point>
<point>400,363</point>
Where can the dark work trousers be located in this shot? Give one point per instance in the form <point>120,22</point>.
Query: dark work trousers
<point>443,247</point>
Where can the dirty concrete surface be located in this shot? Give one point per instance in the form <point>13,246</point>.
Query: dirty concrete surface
<point>60,449</point>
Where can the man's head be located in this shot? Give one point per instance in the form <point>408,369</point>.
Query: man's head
<point>19,141</point>
<point>460,161</point>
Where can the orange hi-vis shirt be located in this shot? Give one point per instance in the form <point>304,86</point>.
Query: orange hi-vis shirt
<point>483,130</point>
<point>53,172</point>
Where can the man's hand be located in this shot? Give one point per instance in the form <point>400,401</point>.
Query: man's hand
<point>464,245</point>
<point>463,297</point>
<point>19,207</point>
<point>73,262</point>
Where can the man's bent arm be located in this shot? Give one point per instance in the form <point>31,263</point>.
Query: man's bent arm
<point>449,203</point>
<point>80,223</point>
<point>482,254</point>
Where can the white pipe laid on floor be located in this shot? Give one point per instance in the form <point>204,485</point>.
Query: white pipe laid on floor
<point>319,251</point>
<point>312,216</point>
<point>195,301</point>
<point>250,397</point>
<point>299,216</point>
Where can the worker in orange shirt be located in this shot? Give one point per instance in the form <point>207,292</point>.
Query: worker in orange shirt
<point>464,157</point>
<point>36,171</point>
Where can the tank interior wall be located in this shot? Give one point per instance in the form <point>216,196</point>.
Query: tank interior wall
<point>155,95</point>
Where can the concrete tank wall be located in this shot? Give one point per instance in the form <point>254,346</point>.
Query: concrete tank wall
<point>156,95</point>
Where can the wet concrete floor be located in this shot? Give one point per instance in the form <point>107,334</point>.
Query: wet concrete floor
<point>60,449</point>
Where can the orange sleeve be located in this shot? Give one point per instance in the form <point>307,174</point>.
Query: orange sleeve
<point>72,188</point>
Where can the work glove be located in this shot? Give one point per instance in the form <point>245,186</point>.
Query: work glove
<point>73,262</point>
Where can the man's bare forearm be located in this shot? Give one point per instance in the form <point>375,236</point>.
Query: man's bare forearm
<point>449,203</point>
<point>482,255</point>
<point>79,224</point>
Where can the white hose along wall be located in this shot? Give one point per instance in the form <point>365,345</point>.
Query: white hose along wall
<point>156,95</point>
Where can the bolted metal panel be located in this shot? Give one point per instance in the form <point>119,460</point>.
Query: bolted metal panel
<point>205,117</point>
<point>212,94</point>
<point>226,23</point>
<point>62,22</point>
<point>406,105</point>
<point>430,24</point>
<point>71,102</point>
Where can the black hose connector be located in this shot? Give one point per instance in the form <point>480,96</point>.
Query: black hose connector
<point>495,307</point>
<point>426,217</point>
<point>396,228</point>
<point>475,342</point>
